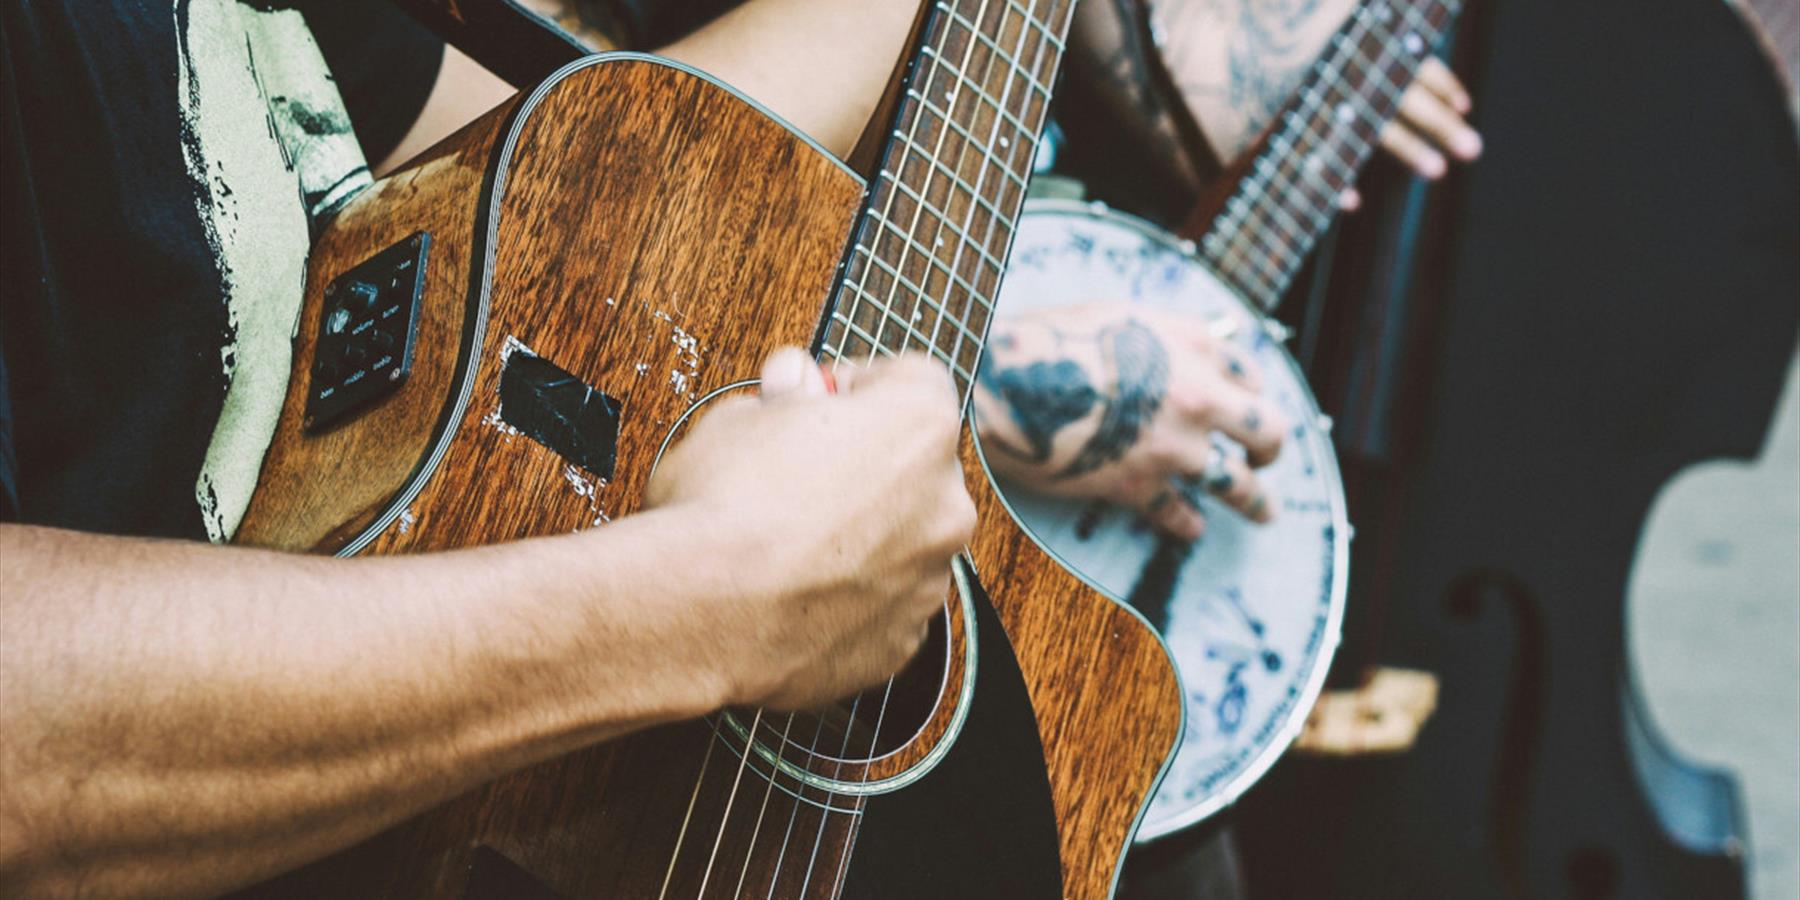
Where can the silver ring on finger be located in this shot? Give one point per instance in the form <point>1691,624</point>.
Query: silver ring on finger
<point>1216,478</point>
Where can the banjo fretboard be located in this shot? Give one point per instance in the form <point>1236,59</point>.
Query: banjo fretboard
<point>1319,143</point>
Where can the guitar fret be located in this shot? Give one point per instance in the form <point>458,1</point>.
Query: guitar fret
<point>1050,36</point>
<point>933,258</point>
<point>1001,112</point>
<point>917,291</point>
<point>942,116</point>
<point>944,221</point>
<point>888,315</point>
<point>958,181</point>
<point>960,158</point>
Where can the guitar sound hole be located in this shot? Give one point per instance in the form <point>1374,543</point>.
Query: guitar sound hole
<point>870,725</point>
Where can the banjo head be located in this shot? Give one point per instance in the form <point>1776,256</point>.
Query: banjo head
<point>1251,613</point>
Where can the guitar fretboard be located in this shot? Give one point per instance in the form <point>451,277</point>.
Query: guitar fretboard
<point>931,244</point>
<point>1321,140</point>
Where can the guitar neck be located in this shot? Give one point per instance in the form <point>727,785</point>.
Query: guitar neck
<point>931,243</point>
<point>1289,194</point>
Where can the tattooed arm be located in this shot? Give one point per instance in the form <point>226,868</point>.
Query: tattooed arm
<point>1236,63</point>
<point>1119,403</point>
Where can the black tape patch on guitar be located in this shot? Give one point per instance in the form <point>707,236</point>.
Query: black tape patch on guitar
<point>560,411</point>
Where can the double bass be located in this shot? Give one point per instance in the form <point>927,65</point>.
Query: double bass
<point>1517,365</point>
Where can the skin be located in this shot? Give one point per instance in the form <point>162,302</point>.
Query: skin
<point>1115,402</point>
<point>849,51</point>
<point>179,718</point>
<point>1236,62</point>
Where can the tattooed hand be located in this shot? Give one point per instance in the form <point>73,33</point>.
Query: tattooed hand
<point>1117,402</point>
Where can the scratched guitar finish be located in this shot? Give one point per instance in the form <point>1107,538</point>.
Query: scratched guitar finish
<point>1251,613</point>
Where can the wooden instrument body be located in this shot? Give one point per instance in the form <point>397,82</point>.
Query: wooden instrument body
<point>658,258</point>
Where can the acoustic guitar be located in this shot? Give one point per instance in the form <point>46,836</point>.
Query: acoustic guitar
<point>499,341</point>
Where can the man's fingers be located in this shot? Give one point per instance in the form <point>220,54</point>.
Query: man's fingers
<point>844,377</point>
<point>1237,485</point>
<point>1350,199</point>
<point>1240,368</point>
<point>1438,79</point>
<point>1170,513</point>
<point>1433,118</point>
<point>1400,140</point>
<point>791,371</point>
<point>911,370</point>
<point>1250,420</point>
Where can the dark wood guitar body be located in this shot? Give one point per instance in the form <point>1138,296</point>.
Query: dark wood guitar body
<point>658,257</point>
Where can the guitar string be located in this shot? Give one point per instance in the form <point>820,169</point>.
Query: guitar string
<point>813,747</point>
<point>730,799</point>
<point>1031,134</point>
<point>768,789</point>
<point>876,346</point>
<point>988,164</point>
<point>793,815</point>
<point>686,818</point>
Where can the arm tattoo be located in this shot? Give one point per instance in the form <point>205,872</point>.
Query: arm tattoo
<point>1270,49</point>
<point>1265,64</point>
<point>1143,372</point>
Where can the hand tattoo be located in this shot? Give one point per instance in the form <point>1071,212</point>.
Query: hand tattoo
<point>1043,397</point>
<point>1142,365</point>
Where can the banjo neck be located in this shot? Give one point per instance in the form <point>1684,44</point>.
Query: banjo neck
<point>930,246</point>
<point>1289,192</point>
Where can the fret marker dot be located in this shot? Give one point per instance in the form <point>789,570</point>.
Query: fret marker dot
<point>1413,43</point>
<point>1314,163</point>
<point>1004,143</point>
<point>1345,113</point>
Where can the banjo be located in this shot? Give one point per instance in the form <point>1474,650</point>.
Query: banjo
<point>1251,613</point>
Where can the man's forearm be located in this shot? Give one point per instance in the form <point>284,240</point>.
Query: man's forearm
<point>820,64</point>
<point>1237,61</point>
<point>178,718</point>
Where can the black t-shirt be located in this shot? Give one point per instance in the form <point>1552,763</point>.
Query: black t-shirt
<point>163,163</point>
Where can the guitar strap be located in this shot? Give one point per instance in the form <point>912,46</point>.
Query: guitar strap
<point>513,42</point>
